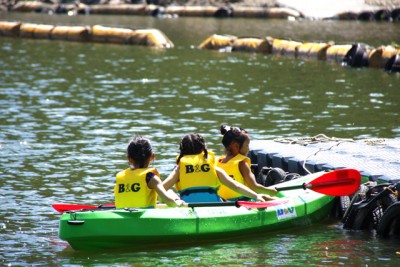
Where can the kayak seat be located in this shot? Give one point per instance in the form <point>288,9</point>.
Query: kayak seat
<point>200,194</point>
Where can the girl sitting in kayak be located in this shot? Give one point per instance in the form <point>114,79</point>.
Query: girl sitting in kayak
<point>196,177</point>
<point>237,165</point>
<point>139,185</point>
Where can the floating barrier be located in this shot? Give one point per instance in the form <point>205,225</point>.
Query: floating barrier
<point>217,42</point>
<point>357,56</point>
<point>31,6</point>
<point>353,55</point>
<point>371,15</point>
<point>71,33</point>
<point>144,9</point>
<point>282,13</point>
<point>10,28</point>
<point>393,65</point>
<point>249,12</point>
<point>38,31</point>
<point>379,57</point>
<point>257,45</point>
<point>285,47</point>
<point>111,35</point>
<point>337,53</point>
<point>119,9</point>
<point>262,12</point>
<point>313,50</point>
<point>191,11</point>
<point>151,37</point>
<point>205,11</point>
<point>97,33</point>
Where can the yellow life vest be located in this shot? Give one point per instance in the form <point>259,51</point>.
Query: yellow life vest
<point>131,190</point>
<point>232,169</point>
<point>197,172</point>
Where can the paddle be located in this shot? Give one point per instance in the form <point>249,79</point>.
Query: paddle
<point>62,207</point>
<point>342,182</point>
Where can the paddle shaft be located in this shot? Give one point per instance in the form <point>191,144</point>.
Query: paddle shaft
<point>212,204</point>
<point>293,187</point>
<point>61,208</point>
<point>239,203</point>
<point>311,186</point>
<point>68,207</point>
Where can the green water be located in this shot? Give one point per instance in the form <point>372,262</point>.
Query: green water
<point>68,110</point>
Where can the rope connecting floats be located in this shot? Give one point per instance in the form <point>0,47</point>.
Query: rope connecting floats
<point>320,138</point>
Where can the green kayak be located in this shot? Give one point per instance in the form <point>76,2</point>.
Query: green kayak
<point>135,228</point>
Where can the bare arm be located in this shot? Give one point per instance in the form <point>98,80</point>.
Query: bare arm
<point>172,179</point>
<point>238,187</point>
<point>155,183</point>
<point>251,180</point>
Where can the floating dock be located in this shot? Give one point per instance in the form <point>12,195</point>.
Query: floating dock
<point>377,160</point>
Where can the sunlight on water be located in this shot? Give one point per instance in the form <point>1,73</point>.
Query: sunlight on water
<point>69,109</point>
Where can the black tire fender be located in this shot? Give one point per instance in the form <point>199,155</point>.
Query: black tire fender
<point>371,212</point>
<point>390,222</point>
<point>275,176</point>
<point>352,210</point>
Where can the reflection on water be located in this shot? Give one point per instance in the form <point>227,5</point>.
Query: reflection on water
<point>68,110</point>
<point>323,244</point>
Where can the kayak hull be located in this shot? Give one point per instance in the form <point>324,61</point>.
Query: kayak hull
<point>135,228</point>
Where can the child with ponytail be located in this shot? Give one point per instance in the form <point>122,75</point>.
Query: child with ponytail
<point>237,165</point>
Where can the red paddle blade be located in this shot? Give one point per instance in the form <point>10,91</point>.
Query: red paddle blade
<point>262,205</point>
<point>342,182</point>
<point>61,207</point>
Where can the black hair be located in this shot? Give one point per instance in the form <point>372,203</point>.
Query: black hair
<point>139,149</point>
<point>233,134</point>
<point>192,144</point>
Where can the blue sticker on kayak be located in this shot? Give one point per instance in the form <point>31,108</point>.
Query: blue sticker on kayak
<point>285,212</point>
